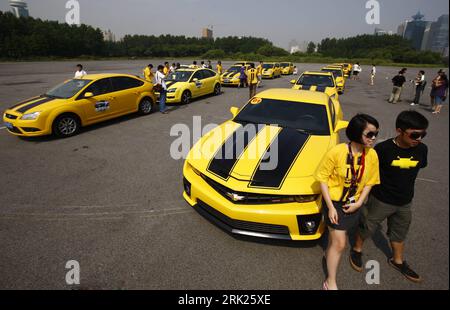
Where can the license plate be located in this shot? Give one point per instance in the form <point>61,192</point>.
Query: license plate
<point>9,125</point>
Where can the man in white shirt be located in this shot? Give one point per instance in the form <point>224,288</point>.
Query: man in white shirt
<point>373,72</point>
<point>80,72</point>
<point>160,79</point>
<point>420,83</point>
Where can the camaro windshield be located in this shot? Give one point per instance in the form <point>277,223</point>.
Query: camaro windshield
<point>284,64</point>
<point>179,76</point>
<point>336,72</point>
<point>317,80</point>
<point>305,117</point>
<point>267,66</point>
<point>67,89</point>
<point>234,69</point>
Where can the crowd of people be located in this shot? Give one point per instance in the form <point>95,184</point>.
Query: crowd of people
<point>362,184</point>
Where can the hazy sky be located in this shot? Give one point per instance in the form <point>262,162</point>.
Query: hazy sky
<point>280,21</point>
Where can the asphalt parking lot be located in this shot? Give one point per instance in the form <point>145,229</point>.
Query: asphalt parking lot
<point>110,198</point>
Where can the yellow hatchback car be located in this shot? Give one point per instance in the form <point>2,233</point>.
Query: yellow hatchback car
<point>338,76</point>
<point>185,84</point>
<point>253,174</point>
<point>287,68</point>
<point>80,102</point>
<point>317,81</point>
<point>271,70</point>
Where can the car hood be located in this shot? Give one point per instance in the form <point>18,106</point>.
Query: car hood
<point>330,91</point>
<point>36,104</point>
<point>265,156</point>
<point>173,84</point>
<point>230,75</point>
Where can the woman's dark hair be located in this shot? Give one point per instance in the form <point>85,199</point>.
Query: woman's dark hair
<point>411,120</point>
<point>357,125</point>
<point>160,67</point>
<point>421,71</point>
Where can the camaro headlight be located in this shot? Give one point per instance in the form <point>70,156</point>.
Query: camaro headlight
<point>30,116</point>
<point>171,90</point>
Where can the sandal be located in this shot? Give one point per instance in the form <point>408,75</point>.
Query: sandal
<point>325,286</point>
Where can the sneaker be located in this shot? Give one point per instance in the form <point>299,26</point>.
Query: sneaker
<point>413,103</point>
<point>356,260</point>
<point>405,270</point>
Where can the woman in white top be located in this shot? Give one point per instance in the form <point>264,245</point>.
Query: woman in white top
<point>160,80</point>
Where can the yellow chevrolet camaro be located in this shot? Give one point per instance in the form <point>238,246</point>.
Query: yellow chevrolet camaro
<point>317,81</point>
<point>253,175</point>
<point>80,102</point>
<point>287,68</point>
<point>271,70</point>
<point>338,76</point>
<point>185,84</point>
<point>231,76</point>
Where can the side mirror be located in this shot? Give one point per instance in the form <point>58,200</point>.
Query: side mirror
<point>293,81</point>
<point>234,111</point>
<point>195,80</point>
<point>88,95</point>
<point>340,125</point>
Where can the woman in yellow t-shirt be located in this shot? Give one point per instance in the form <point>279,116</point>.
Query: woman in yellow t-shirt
<point>219,67</point>
<point>346,175</point>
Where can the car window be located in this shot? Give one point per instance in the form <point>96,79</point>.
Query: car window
<point>302,116</point>
<point>100,87</point>
<point>209,73</point>
<point>68,89</point>
<point>332,112</point>
<point>314,79</point>
<point>198,75</point>
<point>124,82</point>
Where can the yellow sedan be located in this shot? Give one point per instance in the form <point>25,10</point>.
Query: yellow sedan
<point>253,175</point>
<point>271,70</point>
<point>185,84</point>
<point>338,76</point>
<point>80,102</point>
<point>287,68</point>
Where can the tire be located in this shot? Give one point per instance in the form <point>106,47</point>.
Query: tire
<point>186,97</point>
<point>66,125</point>
<point>217,90</point>
<point>146,106</point>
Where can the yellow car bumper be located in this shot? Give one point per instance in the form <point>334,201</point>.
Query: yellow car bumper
<point>229,82</point>
<point>273,221</point>
<point>26,128</point>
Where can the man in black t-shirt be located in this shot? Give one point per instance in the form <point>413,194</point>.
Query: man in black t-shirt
<point>398,82</point>
<point>400,160</point>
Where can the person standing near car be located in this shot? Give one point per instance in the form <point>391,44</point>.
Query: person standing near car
<point>346,175</point>
<point>356,70</point>
<point>166,69</point>
<point>219,67</point>
<point>80,72</point>
<point>400,158</point>
<point>373,72</point>
<point>259,71</point>
<point>252,80</point>
<point>397,82</point>
<point>148,74</point>
<point>160,86</point>
<point>242,77</point>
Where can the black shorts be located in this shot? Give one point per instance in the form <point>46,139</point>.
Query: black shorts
<point>355,72</point>
<point>346,221</point>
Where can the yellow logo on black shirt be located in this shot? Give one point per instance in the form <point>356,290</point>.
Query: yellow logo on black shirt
<point>404,163</point>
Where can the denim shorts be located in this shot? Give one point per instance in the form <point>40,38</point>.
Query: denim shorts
<point>439,100</point>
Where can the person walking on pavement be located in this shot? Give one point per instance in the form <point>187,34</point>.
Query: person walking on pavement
<point>219,67</point>
<point>162,88</point>
<point>346,175</point>
<point>397,82</point>
<point>252,80</point>
<point>373,72</point>
<point>400,160</point>
<point>439,91</point>
<point>242,77</point>
<point>259,71</point>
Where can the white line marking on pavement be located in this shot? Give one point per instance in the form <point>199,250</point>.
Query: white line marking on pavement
<point>427,180</point>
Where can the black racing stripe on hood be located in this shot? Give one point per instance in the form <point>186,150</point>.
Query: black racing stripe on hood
<point>171,83</point>
<point>321,88</point>
<point>34,104</point>
<point>26,101</point>
<point>290,144</point>
<point>231,74</point>
<point>232,149</point>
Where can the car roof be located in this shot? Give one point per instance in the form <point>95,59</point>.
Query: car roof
<point>295,95</point>
<point>106,75</point>
<point>318,73</point>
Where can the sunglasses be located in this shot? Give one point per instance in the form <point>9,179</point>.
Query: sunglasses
<point>371,134</point>
<point>415,135</point>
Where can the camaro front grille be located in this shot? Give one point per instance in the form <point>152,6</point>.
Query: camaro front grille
<point>247,198</point>
<point>243,225</point>
<point>14,130</point>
